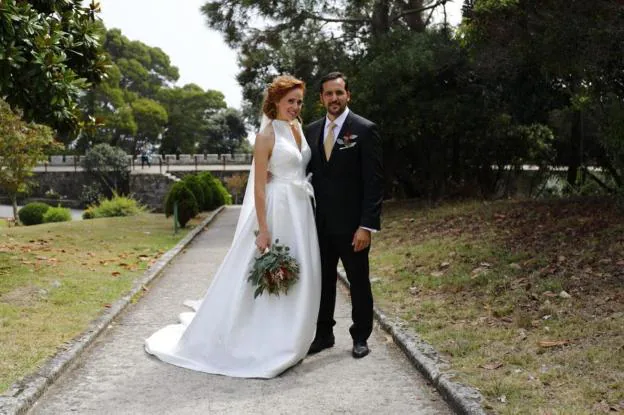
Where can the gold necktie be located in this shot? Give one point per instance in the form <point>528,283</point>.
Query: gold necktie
<point>329,140</point>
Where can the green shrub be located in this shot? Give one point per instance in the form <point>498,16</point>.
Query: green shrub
<point>90,194</point>
<point>89,213</point>
<point>57,214</point>
<point>223,197</point>
<point>219,195</point>
<point>208,194</point>
<point>116,206</point>
<point>194,184</point>
<point>187,204</point>
<point>108,164</point>
<point>207,181</point>
<point>32,213</point>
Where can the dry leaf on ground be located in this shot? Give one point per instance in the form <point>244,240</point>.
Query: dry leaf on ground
<point>552,343</point>
<point>491,365</point>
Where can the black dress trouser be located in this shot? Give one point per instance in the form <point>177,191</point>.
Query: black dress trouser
<point>334,247</point>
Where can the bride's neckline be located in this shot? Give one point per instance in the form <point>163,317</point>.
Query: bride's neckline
<point>298,146</point>
<point>290,123</point>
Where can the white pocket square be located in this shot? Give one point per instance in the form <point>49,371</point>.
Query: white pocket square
<point>346,146</point>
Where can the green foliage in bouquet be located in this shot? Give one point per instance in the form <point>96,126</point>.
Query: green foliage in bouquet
<point>274,271</point>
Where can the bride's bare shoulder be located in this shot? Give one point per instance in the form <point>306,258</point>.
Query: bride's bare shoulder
<point>266,136</point>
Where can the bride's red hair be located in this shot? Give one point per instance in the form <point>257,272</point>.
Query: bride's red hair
<point>280,86</point>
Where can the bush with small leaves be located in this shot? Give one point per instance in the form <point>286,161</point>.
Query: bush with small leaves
<point>89,213</point>
<point>90,194</point>
<point>108,164</point>
<point>32,213</point>
<point>207,181</point>
<point>57,214</point>
<point>194,184</point>
<point>114,207</point>
<point>223,197</point>
<point>187,204</point>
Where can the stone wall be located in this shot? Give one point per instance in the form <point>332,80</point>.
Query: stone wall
<point>150,189</point>
<point>68,185</point>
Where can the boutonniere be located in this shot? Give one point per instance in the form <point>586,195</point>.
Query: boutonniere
<point>348,140</point>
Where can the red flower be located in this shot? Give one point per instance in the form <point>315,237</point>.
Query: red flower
<point>347,138</point>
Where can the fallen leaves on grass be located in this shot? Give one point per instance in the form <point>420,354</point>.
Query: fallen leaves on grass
<point>478,272</point>
<point>491,366</point>
<point>552,343</point>
<point>604,407</point>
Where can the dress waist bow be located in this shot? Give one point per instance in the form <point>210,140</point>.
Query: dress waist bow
<point>303,184</point>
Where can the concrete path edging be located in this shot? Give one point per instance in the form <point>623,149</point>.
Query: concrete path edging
<point>463,399</point>
<point>21,396</point>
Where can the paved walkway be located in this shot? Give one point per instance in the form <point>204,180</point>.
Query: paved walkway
<point>115,376</point>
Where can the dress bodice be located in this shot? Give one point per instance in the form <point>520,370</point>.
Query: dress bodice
<point>287,161</point>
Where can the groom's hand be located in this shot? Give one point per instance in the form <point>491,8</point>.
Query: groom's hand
<point>361,239</point>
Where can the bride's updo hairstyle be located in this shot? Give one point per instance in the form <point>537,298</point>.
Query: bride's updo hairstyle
<point>280,86</point>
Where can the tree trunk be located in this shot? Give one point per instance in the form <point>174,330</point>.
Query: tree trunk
<point>574,160</point>
<point>14,203</point>
<point>415,20</point>
<point>381,18</point>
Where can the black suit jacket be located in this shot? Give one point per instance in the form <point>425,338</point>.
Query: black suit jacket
<point>348,187</point>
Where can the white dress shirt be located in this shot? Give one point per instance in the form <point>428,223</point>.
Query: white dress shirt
<point>338,124</point>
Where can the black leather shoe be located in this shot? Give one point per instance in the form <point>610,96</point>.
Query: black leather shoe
<point>360,349</point>
<point>321,343</point>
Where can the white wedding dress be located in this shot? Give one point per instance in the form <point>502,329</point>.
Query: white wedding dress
<point>231,333</point>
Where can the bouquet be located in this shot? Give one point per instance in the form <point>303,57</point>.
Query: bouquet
<point>274,271</point>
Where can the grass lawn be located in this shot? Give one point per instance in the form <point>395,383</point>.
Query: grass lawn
<point>525,299</point>
<point>56,278</point>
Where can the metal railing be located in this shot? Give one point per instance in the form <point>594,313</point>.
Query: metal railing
<point>156,159</point>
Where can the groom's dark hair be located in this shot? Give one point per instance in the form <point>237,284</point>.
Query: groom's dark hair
<point>331,76</point>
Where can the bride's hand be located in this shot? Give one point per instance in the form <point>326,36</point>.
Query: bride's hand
<point>263,240</point>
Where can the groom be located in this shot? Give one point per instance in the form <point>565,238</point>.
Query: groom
<point>347,176</point>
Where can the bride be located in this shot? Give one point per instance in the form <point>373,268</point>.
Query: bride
<point>231,333</point>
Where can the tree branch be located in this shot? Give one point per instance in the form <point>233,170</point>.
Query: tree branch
<point>597,180</point>
<point>313,16</point>
<point>429,17</point>
<point>418,10</point>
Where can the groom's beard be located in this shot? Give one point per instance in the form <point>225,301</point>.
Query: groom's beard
<point>336,108</point>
